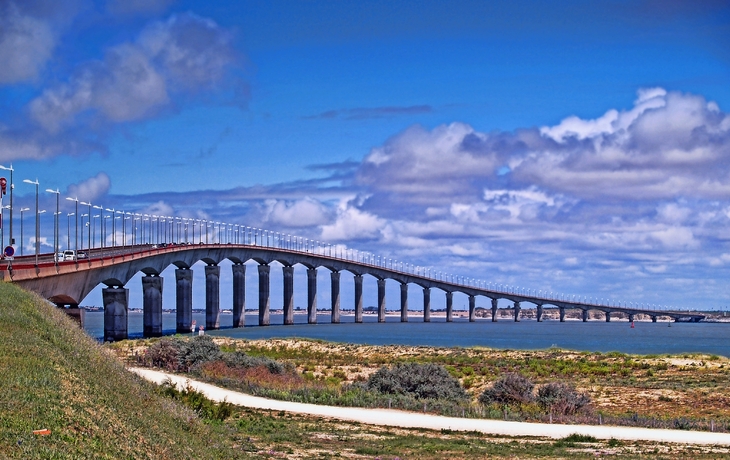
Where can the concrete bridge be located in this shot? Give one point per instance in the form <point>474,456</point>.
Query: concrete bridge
<point>67,283</point>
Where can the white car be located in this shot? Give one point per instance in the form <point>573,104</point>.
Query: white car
<point>69,255</point>
<point>59,257</point>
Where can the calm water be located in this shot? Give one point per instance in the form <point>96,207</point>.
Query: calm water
<point>645,338</point>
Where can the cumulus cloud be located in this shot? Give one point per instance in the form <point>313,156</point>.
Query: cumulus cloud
<point>91,189</point>
<point>135,80</point>
<point>351,223</point>
<point>26,43</point>
<point>306,212</point>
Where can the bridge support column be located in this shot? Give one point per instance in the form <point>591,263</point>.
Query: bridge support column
<point>152,306</point>
<point>381,301</point>
<point>494,310</point>
<point>539,313</point>
<point>426,305</point>
<point>184,299</point>
<point>312,295</point>
<point>212,297</point>
<point>404,303</point>
<point>116,302</point>
<point>264,292</point>
<point>608,316</point>
<point>358,298</point>
<point>517,312</point>
<point>288,295</point>
<point>472,308</point>
<point>239,295</point>
<point>335,277</point>
<point>631,317</point>
<point>449,307</point>
<point>653,318</point>
<point>562,314</point>
<point>585,315</point>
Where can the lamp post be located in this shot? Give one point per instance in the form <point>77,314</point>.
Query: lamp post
<point>12,186</point>
<point>76,229</point>
<point>55,221</point>
<point>68,229</point>
<point>37,221</point>
<point>22,210</point>
<point>89,205</point>
<point>82,231</point>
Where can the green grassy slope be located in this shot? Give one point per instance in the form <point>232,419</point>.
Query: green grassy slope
<point>54,376</point>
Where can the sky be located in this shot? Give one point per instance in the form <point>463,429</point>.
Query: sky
<point>561,146</point>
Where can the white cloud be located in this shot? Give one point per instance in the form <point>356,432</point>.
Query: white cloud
<point>26,44</point>
<point>306,212</point>
<point>91,189</point>
<point>352,223</point>
<point>135,80</point>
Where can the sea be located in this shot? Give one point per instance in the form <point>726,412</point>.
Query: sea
<point>593,336</point>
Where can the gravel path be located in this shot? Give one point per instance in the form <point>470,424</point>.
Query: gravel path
<point>386,417</point>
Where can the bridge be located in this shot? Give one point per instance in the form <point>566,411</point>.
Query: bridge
<point>67,283</point>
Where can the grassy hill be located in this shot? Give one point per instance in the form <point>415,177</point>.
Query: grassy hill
<point>54,376</point>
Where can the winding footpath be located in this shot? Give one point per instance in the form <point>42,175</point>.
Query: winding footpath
<point>396,418</point>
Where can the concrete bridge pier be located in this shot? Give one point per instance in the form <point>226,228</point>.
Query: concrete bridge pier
<point>288,295</point>
<point>608,316</point>
<point>426,305</point>
<point>494,310</point>
<point>381,300</point>
<point>539,313</point>
<point>212,297</point>
<point>116,302</point>
<point>264,293</point>
<point>653,318</point>
<point>358,298</point>
<point>449,307</point>
<point>562,314</point>
<point>404,303</point>
<point>152,306</point>
<point>184,299</point>
<point>585,315</point>
<point>472,308</point>
<point>239,295</point>
<point>517,312</point>
<point>631,317</point>
<point>74,312</point>
<point>312,295</point>
<point>335,277</point>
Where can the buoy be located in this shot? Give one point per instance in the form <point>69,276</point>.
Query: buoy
<point>632,324</point>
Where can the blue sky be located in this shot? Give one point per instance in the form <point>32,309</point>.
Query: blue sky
<point>577,147</point>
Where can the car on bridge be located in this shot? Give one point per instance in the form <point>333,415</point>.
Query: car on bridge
<point>81,255</point>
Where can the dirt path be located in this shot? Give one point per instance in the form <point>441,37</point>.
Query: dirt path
<point>386,417</point>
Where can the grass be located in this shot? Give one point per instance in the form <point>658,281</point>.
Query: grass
<point>55,377</point>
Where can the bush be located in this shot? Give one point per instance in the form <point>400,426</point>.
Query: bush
<point>422,381</point>
<point>197,401</point>
<point>510,389</point>
<point>164,354</point>
<point>199,350</point>
<point>241,360</point>
<point>561,398</point>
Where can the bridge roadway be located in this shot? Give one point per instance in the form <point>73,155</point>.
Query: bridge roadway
<point>67,283</point>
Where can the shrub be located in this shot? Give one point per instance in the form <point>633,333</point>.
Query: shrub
<point>421,381</point>
<point>241,360</point>
<point>197,351</point>
<point>510,389</point>
<point>197,401</point>
<point>561,398</point>
<point>164,354</point>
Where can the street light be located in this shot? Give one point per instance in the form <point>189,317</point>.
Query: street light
<point>12,186</point>
<point>89,205</point>
<point>68,229</point>
<point>22,210</point>
<point>55,222</point>
<point>37,221</point>
<point>76,228</point>
<point>82,231</point>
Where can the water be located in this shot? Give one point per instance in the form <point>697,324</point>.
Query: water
<point>644,338</point>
